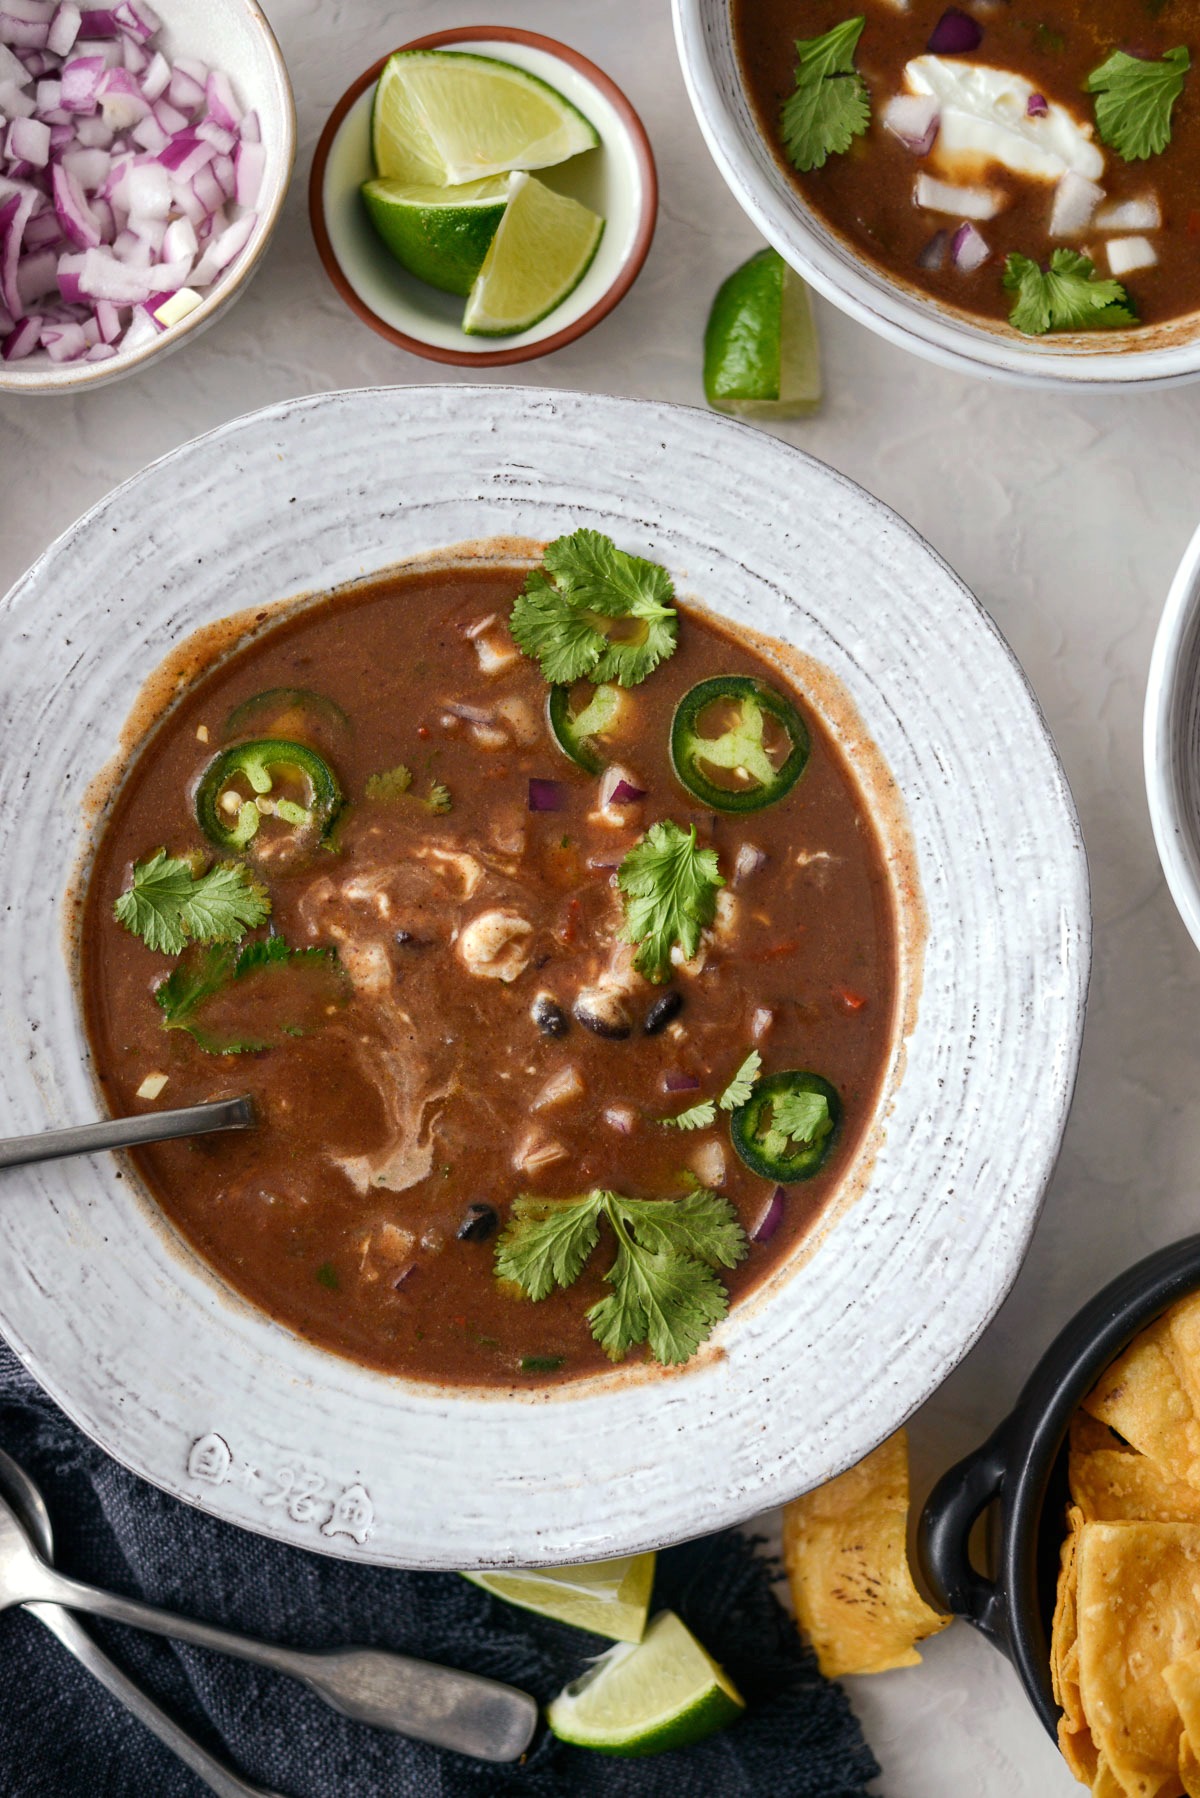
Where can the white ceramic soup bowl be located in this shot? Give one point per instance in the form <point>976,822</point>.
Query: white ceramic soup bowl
<point>1171,739</point>
<point>232,35</point>
<point>1162,356</point>
<point>180,1379</point>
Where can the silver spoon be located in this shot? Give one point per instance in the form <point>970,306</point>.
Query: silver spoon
<point>20,1491</point>
<point>126,1133</point>
<point>435,1704</point>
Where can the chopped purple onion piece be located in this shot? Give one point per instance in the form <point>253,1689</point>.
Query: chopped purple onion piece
<point>625,794</point>
<point>676,1082</point>
<point>545,796</point>
<point>772,1217</point>
<point>933,256</point>
<point>955,33</point>
<point>1037,106</point>
<point>969,250</point>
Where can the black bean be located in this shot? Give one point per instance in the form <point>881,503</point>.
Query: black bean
<point>662,1011</point>
<point>478,1223</point>
<point>549,1016</point>
<point>604,1015</point>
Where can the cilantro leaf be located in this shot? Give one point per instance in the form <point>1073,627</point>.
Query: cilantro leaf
<point>167,903</point>
<point>395,783</point>
<point>670,890</point>
<point>568,614</point>
<point>668,1301</point>
<point>1069,296</point>
<point>831,105</point>
<point>664,1289</point>
<point>739,1088</point>
<point>799,1120</point>
<point>696,1117</point>
<point>547,1242</point>
<point>1134,98</point>
<point>264,1013</point>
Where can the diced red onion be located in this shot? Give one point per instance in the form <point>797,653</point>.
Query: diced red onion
<point>748,860</point>
<point>249,167</point>
<point>1037,106</point>
<point>545,796</point>
<point>625,794</point>
<point>914,119</point>
<point>620,1119</point>
<point>15,102</point>
<point>42,229</point>
<point>12,69</point>
<point>968,250</point>
<point>251,129</point>
<point>933,256</point>
<point>28,140</point>
<point>22,340</point>
<point>37,277</point>
<point>771,1218</point>
<point>955,34</point>
<point>676,1082</point>
<point>221,104</point>
<point>616,788</point>
<point>64,29</point>
<point>47,96</point>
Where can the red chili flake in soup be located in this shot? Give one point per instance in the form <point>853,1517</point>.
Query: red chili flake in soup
<point>1031,164</point>
<point>486,977</point>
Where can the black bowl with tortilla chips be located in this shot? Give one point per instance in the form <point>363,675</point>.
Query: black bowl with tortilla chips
<point>1028,1475</point>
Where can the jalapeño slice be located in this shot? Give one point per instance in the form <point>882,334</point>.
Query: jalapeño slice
<point>575,732</point>
<point>295,713</point>
<point>233,827</point>
<point>787,1126</point>
<point>747,764</point>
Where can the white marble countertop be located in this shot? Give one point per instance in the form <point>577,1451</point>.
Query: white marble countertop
<point>1065,515</point>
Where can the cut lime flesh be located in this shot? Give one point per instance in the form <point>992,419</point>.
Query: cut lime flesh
<point>610,1598</point>
<point>543,248</point>
<point>446,117</point>
<point>440,234</point>
<point>664,1693</point>
<point>761,356</point>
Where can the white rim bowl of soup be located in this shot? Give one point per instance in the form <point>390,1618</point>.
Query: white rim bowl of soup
<point>217,1337</point>
<point>986,148</point>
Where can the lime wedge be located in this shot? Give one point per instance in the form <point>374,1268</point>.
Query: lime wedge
<point>610,1598</point>
<point>663,1693</point>
<point>440,234</point>
<point>444,117</point>
<point>761,357</point>
<point>539,255</point>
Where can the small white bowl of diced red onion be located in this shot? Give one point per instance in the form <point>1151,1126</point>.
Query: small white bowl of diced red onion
<point>145,153</point>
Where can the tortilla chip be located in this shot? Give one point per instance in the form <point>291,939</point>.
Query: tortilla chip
<point>845,1547</point>
<point>1138,1607</point>
<point>1182,1680</point>
<point>1089,1435</point>
<point>1111,1484</point>
<point>1143,1396</point>
<point>1063,1630</point>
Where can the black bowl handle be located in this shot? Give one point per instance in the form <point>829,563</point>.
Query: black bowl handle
<point>959,1497</point>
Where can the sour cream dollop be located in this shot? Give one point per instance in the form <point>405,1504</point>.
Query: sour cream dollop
<point>985,119</point>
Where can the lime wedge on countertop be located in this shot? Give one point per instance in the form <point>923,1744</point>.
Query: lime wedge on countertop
<point>540,253</point>
<point>444,117</point>
<point>761,356</point>
<point>440,234</point>
<point>665,1692</point>
<point>610,1598</point>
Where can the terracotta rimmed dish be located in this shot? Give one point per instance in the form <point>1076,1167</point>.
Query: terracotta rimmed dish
<point>151,1354</point>
<point>618,180</point>
<point>1160,356</point>
<point>232,35</point>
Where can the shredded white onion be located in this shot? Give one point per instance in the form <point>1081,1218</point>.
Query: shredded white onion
<point>127,184</point>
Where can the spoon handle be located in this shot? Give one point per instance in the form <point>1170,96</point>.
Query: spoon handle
<point>126,1133</point>
<point>451,1709</point>
<point>214,1773</point>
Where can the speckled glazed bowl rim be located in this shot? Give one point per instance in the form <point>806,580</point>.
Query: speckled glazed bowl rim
<point>203,1394</point>
<point>626,274</point>
<point>46,377</point>
<point>1166,356</point>
<point>1169,738</point>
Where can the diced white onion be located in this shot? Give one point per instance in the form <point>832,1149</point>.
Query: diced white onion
<point>1075,202</point>
<point>961,202</point>
<point>1128,254</point>
<point>913,118</point>
<point>1143,214</point>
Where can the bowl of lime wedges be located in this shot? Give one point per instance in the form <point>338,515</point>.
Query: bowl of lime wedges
<point>483,196</point>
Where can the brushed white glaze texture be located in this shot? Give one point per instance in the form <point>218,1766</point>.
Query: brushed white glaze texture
<point>94,1290</point>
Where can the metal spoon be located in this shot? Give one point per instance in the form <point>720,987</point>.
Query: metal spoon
<point>20,1491</point>
<point>435,1704</point>
<point>126,1133</point>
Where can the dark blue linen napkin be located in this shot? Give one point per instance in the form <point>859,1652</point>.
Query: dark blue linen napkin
<point>62,1736</point>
